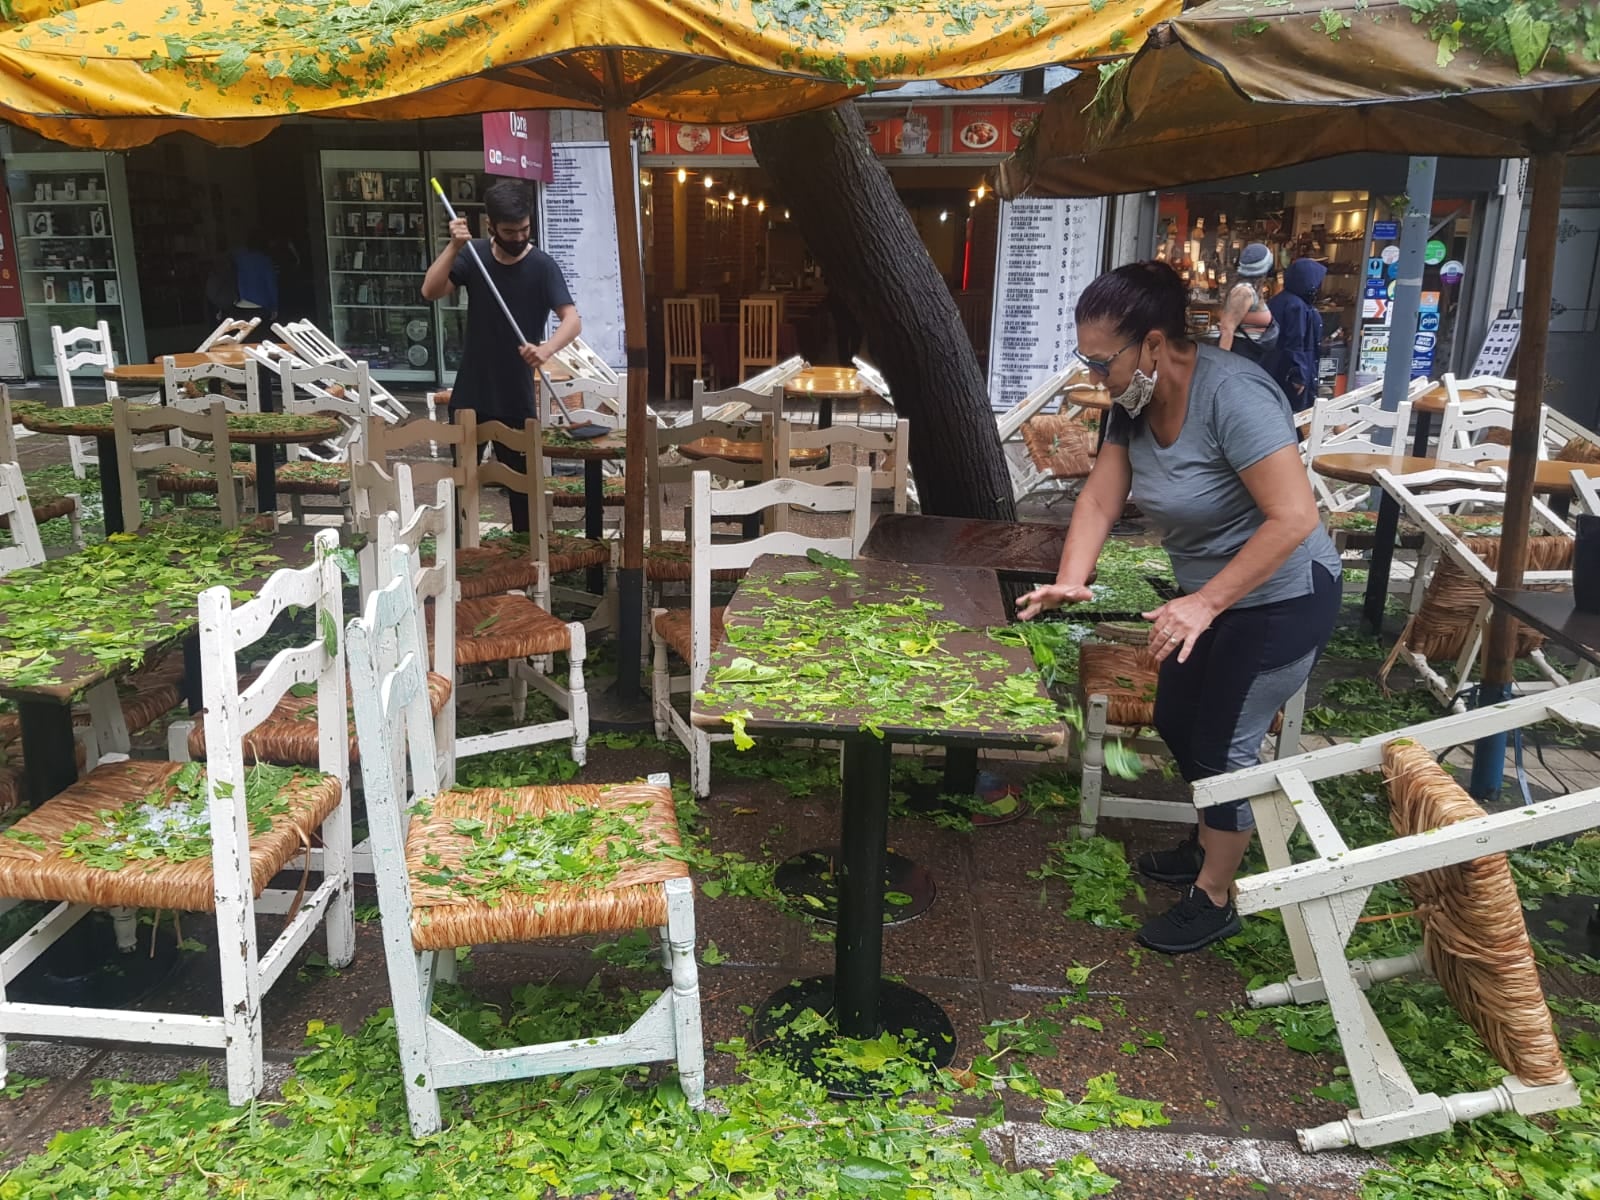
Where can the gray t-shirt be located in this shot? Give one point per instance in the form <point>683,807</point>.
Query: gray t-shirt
<point>1191,490</point>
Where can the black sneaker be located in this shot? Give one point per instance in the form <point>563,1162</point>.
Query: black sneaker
<point>1179,865</point>
<point>1191,924</point>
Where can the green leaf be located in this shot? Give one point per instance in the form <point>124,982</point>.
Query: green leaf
<point>746,670</point>
<point>1529,38</point>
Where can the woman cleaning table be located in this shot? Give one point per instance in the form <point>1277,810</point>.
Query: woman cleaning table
<point>1202,440</point>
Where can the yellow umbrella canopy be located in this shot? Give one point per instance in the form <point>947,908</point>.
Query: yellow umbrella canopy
<point>1238,86</point>
<point>714,61</point>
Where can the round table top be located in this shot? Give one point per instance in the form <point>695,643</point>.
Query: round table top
<point>558,444</point>
<point>95,420</point>
<point>830,383</point>
<point>746,452</point>
<point>1096,398</point>
<point>1431,402</point>
<point>1551,476</point>
<point>152,372</point>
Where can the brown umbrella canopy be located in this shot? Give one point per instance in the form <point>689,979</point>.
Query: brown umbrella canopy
<point>1232,88</point>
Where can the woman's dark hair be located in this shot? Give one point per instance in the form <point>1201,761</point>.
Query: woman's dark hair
<point>1138,297</point>
<point>509,202</point>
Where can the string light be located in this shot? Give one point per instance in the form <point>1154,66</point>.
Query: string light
<point>786,214</point>
<point>944,216</point>
<point>983,190</point>
<point>761,206</point>
<point>732,195</point>
<point>683,176</point>
<point>972,204</point>
<point>709,183</point>
<point>744,201</point>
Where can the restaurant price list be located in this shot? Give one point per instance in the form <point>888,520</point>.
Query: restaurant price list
<point>1049,251</point>
<point>578,228</point>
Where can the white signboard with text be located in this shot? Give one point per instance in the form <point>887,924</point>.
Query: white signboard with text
<point>1049,251</point>
<point>578,228</point>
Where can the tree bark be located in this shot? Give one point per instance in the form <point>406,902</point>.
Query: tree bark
<point>857,228</point>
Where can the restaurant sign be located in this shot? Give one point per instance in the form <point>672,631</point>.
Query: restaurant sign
<point>903,131</point>
<point>518,144</point>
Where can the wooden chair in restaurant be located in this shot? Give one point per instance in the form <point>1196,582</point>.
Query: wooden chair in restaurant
<point>209,465</point>
<point>710,306</point>
<point>231,332</point>
<point>46,504</point>
<point>693,633</point>
<point>415,828</point>
<point>73,350</point>
<point>758,335</point>
<point>681,319</point>
<point>311,344</point>
<point>667,560</point>
<point>883,450</point>
<point>244,838</point>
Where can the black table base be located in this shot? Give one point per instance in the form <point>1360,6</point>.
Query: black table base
<point>48,751</point>
<point>923,1027</point>
<point>810,879</point>
<point>110,484</point>
<point>84,969</point>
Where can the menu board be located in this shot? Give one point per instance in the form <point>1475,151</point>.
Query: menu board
<point>578,228</point>
<point>1049,251</point>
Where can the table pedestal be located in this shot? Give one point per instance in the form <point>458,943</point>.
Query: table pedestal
<point>48,752</point>
<point>811,880</point>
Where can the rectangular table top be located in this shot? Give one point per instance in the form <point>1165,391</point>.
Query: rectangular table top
<point>1009,547</point>
<point>1554,614</point>
<point>57,620</point>
<point>825,649</point>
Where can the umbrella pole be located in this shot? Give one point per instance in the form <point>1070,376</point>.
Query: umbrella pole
<point>630,579</point>
<point>1548,171</point>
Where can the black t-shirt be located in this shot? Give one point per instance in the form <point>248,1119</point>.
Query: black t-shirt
<point>493,380</point>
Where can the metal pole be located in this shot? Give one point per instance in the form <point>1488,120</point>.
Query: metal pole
<point>1397,367</point>
<point>1549,170</point>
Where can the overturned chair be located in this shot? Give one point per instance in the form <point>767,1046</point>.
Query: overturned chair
<point>1451,856</point>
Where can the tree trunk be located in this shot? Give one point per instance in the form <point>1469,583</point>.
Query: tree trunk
<point>857,228</point>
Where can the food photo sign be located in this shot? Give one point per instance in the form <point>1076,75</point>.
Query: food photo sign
<point>901,131</point>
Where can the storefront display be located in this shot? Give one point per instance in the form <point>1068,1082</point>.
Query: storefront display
<point>70,214</point>
<point>461,174</point>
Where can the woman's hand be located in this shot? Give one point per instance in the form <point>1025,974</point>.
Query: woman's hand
<point>1051,595</point>
<point>1177,624</point>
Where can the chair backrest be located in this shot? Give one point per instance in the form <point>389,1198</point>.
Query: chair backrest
<point>777,298</point>
<point>682,321</point>
<point>1366,429</point>
<point>81,347</point>
<point>710,306</point>
<point>1465,420</point>
<point>311,344</point>
<point>208,425</point>
<point>667,467</point>
<point>1491,386</point>
<point>231,712</point>
<point>231,332</point>
<point>8,427</point>
<point>758,334</point>
<point>580,358</point>
<point>373,469</point>
<point>884,449</point>
<point>528,440</point>
<point>1036,401</point>
<point>25,550</point>
<point>189,387</point>
<point>316,388</point>
<point>1424,495</point>
<point>1587,489</point>
<point>706,556</point>
<point>872,378</point>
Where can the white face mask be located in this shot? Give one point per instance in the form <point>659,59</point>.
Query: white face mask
<point>1141,389</point>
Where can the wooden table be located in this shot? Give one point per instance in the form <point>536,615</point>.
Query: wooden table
<point>154,373</point>
<point>1553,614</point>
<point>1027,548</point>
<point>748,453</point>
<point>45,708</point>
<point>825,385</point>
<point>265,431</point>
<point>1551,477</point>
<point>863,1002</point>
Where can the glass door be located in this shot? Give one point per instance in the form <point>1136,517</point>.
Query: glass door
<point>375,206</point>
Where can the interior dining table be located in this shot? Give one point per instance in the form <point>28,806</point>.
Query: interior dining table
<point>824,385</point>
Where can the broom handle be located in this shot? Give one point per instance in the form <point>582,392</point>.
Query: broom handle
<point>501,301</point>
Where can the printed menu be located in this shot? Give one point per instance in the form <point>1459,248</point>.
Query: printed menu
<point>1049,252</point>
<point>578,228</point>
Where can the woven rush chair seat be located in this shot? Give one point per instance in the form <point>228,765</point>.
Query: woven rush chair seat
<point>569,553</point>
<point>184,481</point>
<point>40,873</point>
<point>46,504</point>
<point>1062,446</point>
<point>308,477</point>
<point>567,491</point>
<point>501,627</point>
<point>289,737</point>
<point>669,562</point>
<point>675,626</point>
<point>151,692</point>
<point>443,918</point>
<point>1578,450</point>
<point>499,566</point>
<point>1473,933</point>
<point>1117,664</point>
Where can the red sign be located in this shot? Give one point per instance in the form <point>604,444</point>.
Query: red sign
<point>10,280</point>
<point>518,144</point>
<point>993,129</point>
<point>979,130</point>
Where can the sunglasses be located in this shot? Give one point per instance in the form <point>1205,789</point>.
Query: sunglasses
<point>1102,366</point>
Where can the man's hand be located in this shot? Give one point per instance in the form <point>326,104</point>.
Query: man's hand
<point>534,356</point>
<point>460,235</point>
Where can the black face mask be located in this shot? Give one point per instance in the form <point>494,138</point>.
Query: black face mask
<point>511,249</point>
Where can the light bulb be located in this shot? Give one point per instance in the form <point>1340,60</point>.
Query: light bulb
<point>761,206</point>
<point>983,190</point>
<point>709,183</point>
<point>744,201</point>
<point>944,216</point>
<point>683,176</point>
<point>972,204</point>
<point>786,214</point>
<point>732,195</point>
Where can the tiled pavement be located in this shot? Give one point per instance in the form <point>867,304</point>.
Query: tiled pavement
<point>994,945</point>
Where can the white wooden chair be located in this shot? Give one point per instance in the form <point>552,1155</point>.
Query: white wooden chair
<point>762,392</point>
<point>311,344</point>
<point>1340,427</point>
<point>74,349</point>
<point>232,331</point>
<point>694,632</point>
<point>188,387</point>
<point>423,924</point>
<point>666,559</point>
<point>314,389</point>
<point>48,506</point>
<point>884,451</point>
<point>501,627</point>
<point>249,844</point>
<point>1321,899</point>
<point>1587,490</point>
<point>1030,472</point>
<point>1462,428</point>
<point>1450,613</point>
<point>213,464</point>
<point>25,550</point>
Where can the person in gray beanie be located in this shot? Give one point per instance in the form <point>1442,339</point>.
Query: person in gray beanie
<point>1246,323</point>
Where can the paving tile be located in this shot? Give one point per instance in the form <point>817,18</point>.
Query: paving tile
<point>1270,1087</point>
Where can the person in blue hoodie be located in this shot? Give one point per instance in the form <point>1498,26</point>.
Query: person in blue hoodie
<point>1293,361</point>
